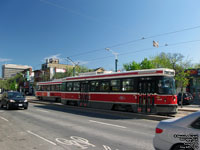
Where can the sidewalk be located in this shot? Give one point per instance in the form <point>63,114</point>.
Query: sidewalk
<point>191,108</point>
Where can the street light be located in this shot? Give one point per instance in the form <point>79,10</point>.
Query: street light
<point>116,57</point>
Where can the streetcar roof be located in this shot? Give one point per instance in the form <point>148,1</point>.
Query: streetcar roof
<point>135,73</point>
<point>56,81</point>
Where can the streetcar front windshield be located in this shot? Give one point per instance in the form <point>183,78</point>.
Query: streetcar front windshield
<point>166,85</point>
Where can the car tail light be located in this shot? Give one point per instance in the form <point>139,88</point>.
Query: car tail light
<point>158,130</point>
<point>187,98</point>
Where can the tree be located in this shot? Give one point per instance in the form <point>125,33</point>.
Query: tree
<point>69,72</point>
<point>146,64</point>
<point>182,80</point>
<point>197,65</point>
<point>132,66</point>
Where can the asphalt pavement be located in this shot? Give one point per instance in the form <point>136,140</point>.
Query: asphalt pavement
<point>53,127</point>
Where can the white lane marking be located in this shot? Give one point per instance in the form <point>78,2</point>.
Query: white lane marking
<point>3,118</point>
<point>42,110</point>
<point>42,138</point>
<point>107,124</point>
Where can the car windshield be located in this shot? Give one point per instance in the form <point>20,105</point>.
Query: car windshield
<point>166,85</point>
<point>15,95</point>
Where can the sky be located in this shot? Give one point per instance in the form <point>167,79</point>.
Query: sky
<point>34,30</point>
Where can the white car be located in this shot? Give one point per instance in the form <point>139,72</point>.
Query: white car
<point>178,133</point>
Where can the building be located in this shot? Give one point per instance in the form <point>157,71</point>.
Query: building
<point>51,67</point>
<point>28,85</point>
<point>10,70</point>
<point>95,72</point>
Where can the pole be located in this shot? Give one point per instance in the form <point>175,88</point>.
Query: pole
<point>74,65</point>
<point>116,57</point>
<point>116,60</point>
<point>73,70</point>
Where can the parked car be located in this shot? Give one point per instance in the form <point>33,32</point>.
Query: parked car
<point>178,133</point>
<point>12,99</point>
<point>187,98</point>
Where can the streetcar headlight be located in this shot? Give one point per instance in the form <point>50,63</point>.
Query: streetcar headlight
<point>25,100</point>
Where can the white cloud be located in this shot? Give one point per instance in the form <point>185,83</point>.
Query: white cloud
<point>5,59</point>
<point>56,56</point>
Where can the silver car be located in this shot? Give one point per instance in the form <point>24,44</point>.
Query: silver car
<point>178,133</point>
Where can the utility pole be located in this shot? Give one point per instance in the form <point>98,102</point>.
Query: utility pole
<point>116,57</point>
<point>74,65</point>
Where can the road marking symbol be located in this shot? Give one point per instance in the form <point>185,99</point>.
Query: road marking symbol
<point>42,138</point>
<point>3,118</point>
<point>107,124</point>
<point>76,141</point>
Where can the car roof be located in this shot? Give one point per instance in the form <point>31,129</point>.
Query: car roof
<point>183,121</point>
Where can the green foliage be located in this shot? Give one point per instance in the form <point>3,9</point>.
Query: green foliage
<point>197,65</point>
<point>145,64</point>
<point>182,78</point>
<point>69,72</point>
<point>131,66</point>
<point>12,83</point>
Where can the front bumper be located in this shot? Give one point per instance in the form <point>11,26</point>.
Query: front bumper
<point>166,109</point>
<point>18,104</point>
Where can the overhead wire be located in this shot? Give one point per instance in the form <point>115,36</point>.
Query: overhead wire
<point>147,49</point>
<point>137,40</point>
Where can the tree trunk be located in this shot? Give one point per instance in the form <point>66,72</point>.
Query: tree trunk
<point>181,97</point>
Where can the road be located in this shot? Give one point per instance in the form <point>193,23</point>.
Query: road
<point>48,127</point>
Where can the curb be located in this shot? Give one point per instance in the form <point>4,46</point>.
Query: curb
<point>110,112</point>
<point>189,110</point>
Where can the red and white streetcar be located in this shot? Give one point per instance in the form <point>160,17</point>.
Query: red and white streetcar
<point>146,91</point>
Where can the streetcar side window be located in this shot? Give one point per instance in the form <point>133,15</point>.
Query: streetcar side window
<point>127,85</point>
<point>38,88</point>
<point>76,86</point>
<point>52,87</point>
<point>104,86</point>
<point>44,88</point>
<point>63,87</point>
<point>115,85</point>
<point>69,86</point>
<point>57,87</point>
<point>94,86</point>
<point>48,88</point>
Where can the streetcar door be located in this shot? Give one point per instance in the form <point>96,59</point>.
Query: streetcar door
<point>84,96</point>
<point>145,98</point>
